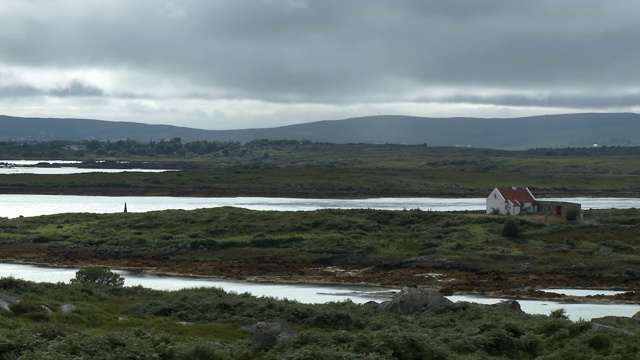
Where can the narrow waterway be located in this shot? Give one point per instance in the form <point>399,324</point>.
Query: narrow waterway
<point>15,205</point>
<point>314,294</point>
<point>58,167</point>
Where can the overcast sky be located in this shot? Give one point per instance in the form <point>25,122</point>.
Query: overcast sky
<point>227,64</point>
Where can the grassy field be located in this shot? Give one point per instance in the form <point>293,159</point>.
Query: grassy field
<point>356,170</point>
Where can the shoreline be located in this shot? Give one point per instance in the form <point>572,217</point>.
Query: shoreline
<point>625,297</point>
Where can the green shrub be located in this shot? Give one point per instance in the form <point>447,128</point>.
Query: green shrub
<point>98,276</point>
<point>559,314</point>
<point>31,310</point>
<point>599,342</point>
<point>511,228</point>
<point>572,213</point>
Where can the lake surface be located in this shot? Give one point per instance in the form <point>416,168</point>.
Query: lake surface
<point>314,294</point>
<point>68,170</point>
<point>34,205</point>
<point>36,162</point>
<point>9,167</point>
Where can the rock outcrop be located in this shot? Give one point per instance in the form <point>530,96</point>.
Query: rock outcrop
<point>595,327</point>
<point>510,305</point>
<point>614,324</point>
<point>267,334</point>
<point>6,301</point>
<point>412,300</point>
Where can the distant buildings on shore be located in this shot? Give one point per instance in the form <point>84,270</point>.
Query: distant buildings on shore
<point>514,201</point>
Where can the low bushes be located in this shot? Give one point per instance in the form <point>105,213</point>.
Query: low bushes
<point>134,322</point>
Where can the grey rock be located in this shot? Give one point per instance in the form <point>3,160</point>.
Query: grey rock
<point>615,321</point>
<point>67,308</point>
<point>6,301</point>
<point>411,300</point>
<point>595,327</point>
<point>266,334</point>
<point>511,305</point>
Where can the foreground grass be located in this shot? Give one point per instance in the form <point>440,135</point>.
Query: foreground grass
<point>117,323</point>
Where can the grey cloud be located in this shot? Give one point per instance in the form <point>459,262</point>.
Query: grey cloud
<point>573,101</point>
<point>19,90</point>
<point>74,88</point>
<point>338,51</point>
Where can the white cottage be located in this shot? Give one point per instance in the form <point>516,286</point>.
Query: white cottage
<point>511,201</point>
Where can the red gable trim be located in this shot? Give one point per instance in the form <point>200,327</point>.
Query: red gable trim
<point>516,196</point>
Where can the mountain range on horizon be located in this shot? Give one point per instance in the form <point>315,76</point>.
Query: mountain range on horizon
<point>545,131</point>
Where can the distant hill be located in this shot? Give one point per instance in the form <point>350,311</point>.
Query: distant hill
<point>548,131</point>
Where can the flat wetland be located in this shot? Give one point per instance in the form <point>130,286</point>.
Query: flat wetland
<point>451,252</point>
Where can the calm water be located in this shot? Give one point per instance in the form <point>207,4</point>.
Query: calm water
<point>8,167</point>
<point>33,205</point>
<point>68,170</point>
<point>313,294</point>
<point>36,162</point>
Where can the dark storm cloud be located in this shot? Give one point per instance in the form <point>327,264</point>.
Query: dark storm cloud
<point>340,51</point>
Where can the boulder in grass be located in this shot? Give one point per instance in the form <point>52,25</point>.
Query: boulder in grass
<point>596,327</point>
<point>510,305</point>
<point>67,307</point>
<point>6,301</point>
<point>266,334</point>
<point>412,300</point>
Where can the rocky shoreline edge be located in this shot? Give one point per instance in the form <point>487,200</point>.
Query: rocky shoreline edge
<point>511,293</point>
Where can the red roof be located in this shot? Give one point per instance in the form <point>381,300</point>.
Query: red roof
<point>517,196</point>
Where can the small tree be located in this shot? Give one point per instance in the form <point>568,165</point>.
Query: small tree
<point>559,314</point>
<point>511,228</point>
<point>98,276</point>
<point>572,213</point>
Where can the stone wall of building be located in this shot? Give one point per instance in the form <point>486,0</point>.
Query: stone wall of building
<point>557,208</point>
